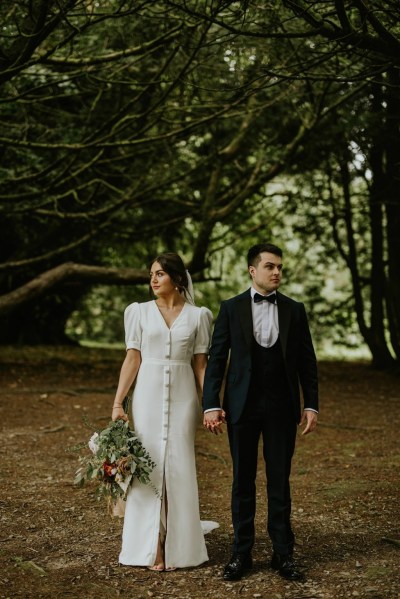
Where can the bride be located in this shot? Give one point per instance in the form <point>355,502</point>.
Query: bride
<point>167,342</point>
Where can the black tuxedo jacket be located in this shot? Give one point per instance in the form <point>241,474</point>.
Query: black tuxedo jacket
<point>233,339</point>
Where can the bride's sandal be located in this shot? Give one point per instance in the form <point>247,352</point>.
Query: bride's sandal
<point>171,569</point>
<point>157,567</point>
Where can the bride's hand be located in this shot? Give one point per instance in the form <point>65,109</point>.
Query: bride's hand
<point>118,414</point>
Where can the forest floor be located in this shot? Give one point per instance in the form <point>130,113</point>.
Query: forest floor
<point>57,541</point>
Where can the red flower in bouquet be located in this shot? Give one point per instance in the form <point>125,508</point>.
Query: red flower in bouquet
<point>109,470</point>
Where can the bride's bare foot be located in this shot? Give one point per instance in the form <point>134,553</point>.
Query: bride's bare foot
<point>159,565</point>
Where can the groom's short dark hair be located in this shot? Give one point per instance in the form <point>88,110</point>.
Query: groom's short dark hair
<point>253,255</point>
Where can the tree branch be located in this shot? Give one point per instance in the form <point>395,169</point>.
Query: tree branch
<point>113,56</point>
<point>67,272</point>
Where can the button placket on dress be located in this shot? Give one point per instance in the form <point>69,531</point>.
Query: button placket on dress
<point>166,388</point>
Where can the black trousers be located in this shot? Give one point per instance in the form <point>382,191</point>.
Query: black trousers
<point>275,423</point>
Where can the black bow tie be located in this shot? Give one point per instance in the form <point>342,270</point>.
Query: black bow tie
<point>270,298</point>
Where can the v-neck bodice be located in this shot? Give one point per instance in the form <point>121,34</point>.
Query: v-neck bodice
<point>162,316</point>
<point>147,331</point>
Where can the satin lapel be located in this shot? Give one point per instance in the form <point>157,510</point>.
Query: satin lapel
<point>284,315</point>
<point>246,317</point>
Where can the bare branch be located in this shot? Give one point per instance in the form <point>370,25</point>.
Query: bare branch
<point>69,272</point>
<point>7,266</point>
<point>141,50</point>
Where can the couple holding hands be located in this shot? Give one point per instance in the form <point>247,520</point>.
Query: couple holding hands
<point>262,344</point>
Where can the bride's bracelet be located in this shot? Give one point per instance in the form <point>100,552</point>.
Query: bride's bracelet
<point>117,407</point>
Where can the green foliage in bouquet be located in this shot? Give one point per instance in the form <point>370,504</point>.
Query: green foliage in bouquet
<point>118,457</point>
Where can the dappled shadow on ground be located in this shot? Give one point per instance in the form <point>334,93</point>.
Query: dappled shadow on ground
<point>57,541</point>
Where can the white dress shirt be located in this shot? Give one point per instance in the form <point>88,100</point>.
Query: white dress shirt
<point>265,321</point>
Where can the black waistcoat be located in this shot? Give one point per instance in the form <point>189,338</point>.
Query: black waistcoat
<point>268,375</point>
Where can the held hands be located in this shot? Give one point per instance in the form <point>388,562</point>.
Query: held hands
<point>214,420</point>
<point>309,419</point>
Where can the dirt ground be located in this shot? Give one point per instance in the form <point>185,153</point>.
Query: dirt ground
<point>57,541</point>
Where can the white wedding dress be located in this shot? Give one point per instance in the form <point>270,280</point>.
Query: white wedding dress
<point>165,416</point>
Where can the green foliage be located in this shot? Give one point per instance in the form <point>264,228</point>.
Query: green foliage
<point>201,128</point>
<point>118,457</point>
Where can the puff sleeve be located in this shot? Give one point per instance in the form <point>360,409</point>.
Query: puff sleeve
<point>203,335</point>
<point>133,329</point>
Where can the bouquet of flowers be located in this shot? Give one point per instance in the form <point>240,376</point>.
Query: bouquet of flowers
<point>118,457</point>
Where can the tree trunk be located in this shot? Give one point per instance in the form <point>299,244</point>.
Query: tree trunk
<point>381,355</point>
<point>392,202</point>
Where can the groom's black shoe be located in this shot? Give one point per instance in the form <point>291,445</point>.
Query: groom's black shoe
<point>287,567</point>
<point>237,566</point>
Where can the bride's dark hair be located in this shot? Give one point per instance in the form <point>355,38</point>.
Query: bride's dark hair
<point>173,265</point>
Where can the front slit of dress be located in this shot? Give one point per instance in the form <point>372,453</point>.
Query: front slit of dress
<point>162,526</point>
<point>163,514</point>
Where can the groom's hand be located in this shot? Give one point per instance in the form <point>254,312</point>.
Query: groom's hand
<point>309,421</point>
<point>214,420</point>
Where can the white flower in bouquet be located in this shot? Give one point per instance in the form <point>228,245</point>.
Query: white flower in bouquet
<point>93,444</point>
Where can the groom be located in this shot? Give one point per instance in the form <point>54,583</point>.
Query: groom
<point>266,337</point>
